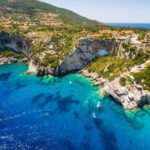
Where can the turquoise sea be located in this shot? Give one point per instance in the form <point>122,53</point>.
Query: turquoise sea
<point>132,25</point>
<point>62,114</point>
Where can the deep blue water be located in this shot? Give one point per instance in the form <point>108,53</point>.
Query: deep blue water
<point>134,25</point>
<point>56,114</point>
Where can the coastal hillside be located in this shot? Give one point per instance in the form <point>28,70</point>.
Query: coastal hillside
<point>52,31</point>
<point>33,12</point>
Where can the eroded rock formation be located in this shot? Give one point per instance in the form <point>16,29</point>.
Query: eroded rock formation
<point>87,50</point>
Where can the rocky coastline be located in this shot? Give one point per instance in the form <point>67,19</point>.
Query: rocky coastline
<point>130,96</point>
<point>129,99</point>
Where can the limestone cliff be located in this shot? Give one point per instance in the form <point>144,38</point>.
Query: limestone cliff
<point>87,50</point>
<point>14,42</point>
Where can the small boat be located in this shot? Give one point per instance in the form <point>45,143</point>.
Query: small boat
<point>70,82</point>
<point>98,104</point>
<point>94,115</point>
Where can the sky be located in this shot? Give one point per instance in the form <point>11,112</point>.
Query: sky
<point>108,11</point>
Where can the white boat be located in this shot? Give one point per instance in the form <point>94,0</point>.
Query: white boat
<point>98,104</point>
<point>94,115</point>
<point>70,82</point>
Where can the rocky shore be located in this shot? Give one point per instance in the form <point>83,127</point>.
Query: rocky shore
<point>131,96</point>
<point>96,80</point>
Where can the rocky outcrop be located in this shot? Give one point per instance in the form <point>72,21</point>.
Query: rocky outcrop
<point>33,67</point>
<point>14,42</point>
<point>44,71</point>
<point>130,96</point>
<point>87,50</point>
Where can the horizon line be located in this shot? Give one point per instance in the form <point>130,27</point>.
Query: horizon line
<point>128,22</point>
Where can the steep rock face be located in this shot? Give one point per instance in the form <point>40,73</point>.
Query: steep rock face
<point>14,42</point>
<point>145,100</point>
<point>87,50</point>
<point>34,69</point>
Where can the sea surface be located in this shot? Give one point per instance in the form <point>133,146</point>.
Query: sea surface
<point>133,25</point>
<point>62,114</point>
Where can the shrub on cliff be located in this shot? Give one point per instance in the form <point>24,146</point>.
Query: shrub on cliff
<point>141,57</point>
<point>122,81</point>
<point>9,53</point>
<point>110,66</point>
<point>143,78</point>
<point>141,36</point>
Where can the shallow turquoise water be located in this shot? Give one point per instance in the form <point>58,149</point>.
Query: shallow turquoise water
<point>57,114</point>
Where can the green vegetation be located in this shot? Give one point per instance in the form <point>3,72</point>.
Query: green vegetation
<point>106,36</point>
<point>32,7</point>
<point>58,42</point>
<point>125,80</point>
<point>49,60</point>
<point>142,36</point>
<point>130,48</point>
<point>122,81</point>
<point>143,78</point>
<point>9,53</point>
<point>126,46</point>
<point>141,57</point>
<point>110,66</point>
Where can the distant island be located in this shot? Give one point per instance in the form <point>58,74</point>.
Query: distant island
<point>56,41</point>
